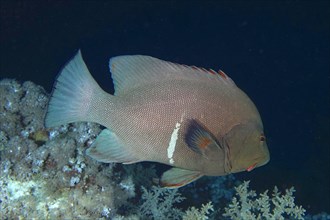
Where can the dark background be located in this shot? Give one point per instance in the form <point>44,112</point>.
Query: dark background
<point>278,52</point>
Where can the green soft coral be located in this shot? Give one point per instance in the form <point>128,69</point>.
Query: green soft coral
<point>248,205</point>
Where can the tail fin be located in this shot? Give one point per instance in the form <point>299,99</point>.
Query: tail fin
<point>72,94</point>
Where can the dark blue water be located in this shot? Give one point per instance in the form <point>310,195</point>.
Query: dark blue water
<point>278,52</point>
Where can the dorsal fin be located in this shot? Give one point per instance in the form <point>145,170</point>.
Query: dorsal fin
<point>129,72</point>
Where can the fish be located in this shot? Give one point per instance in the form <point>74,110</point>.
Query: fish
<point>193,119</point>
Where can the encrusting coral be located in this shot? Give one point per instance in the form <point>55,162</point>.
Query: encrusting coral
<point>44,173</point>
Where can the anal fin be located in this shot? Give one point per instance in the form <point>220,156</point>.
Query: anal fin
<point>109,148</point>
<point>177,177</point>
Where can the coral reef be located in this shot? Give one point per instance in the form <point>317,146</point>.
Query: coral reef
<point>45,174</point>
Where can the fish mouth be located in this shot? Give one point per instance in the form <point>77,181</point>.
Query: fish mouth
<point>259,161</point>
<point>250,168</point>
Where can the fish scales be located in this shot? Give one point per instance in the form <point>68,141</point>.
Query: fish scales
<point>199,123</point>
<point>146,116</point>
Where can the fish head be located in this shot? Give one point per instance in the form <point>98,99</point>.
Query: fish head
<point>247,147</point>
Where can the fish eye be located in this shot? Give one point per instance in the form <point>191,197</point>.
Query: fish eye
<point>262,138</point>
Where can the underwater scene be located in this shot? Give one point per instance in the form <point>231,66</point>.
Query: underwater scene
<point>162,110</point>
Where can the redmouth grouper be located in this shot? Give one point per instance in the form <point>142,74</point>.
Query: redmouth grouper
<point>195,120</point>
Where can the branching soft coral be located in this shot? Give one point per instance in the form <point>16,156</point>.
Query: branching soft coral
<point>198,214</point>
<point>248,205</point>
<point>158,204</point>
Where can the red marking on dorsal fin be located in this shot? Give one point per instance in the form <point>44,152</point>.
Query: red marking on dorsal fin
<point>200,69</point>
<point>209,71</point>
<point>212,71</point>
<point>222,74</point>
<point>205,70</point>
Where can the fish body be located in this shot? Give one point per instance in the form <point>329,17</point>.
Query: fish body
<point>196,120</point>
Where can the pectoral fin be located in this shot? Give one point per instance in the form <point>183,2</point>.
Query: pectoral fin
<point>109,148</point>
<point>200,140</point>
<point>177,177</point>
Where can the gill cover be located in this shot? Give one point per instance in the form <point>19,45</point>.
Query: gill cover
<point>247,145</point>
